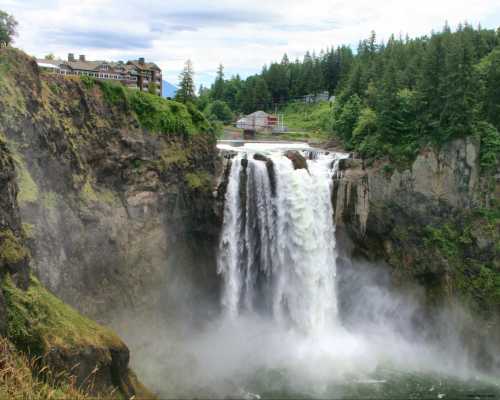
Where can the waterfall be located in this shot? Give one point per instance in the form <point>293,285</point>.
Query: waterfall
<point>277,249</point>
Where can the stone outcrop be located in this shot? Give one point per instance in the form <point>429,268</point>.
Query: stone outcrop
<point>298,160</point>
<point>110,207</point>
<point>434,224</point>
<point>369,202</point>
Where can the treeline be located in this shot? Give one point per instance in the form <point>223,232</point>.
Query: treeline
<point>391,98</point>
<point>282,81</point>
<point>407,92</point>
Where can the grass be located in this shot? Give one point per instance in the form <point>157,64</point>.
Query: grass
<point>307,121</point>
<point>162,116</point>
<point>18,382</point>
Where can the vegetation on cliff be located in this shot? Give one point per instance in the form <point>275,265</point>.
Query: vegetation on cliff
<point>65,123</point>
<point>17,381</point>
<point>37,321</point>
<point>392,98</point>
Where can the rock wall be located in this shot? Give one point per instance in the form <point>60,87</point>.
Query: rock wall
<point>435,224</point>
<point>114,213</point>
<point>110,217</point>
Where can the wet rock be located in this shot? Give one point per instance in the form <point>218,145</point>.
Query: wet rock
<point>298,160</point>
<point>272,176</point>
<point>260,157</point>
<point>349,163</point>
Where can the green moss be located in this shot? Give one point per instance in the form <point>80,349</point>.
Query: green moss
<point>174,155</point>
<point>88,194</point>
<point>28,189</point>
<point>29,230</point>
<point>198,181</point>
<point>11,249</point>
<point>12,103</point>
<point>49,199</point>
<point>475,273</point>
<point>108,197</point>
<point>37,320</point>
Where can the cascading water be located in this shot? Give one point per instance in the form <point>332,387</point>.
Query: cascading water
<point>277,250</point>
<point>281,334</point>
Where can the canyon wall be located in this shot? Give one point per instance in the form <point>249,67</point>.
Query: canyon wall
<point>434,223</point>
<point>108,215</point>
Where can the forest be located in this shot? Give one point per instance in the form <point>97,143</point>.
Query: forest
<point>391,97</point>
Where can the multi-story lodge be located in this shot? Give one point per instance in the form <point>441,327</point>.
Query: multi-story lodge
<point>135,74</point>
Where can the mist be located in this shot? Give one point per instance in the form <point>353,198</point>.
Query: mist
<point>295,315</point>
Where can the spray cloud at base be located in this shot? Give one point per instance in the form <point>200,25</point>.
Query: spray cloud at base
<point>292,321</point>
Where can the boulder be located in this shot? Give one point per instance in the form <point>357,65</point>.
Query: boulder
<point>298,160</point>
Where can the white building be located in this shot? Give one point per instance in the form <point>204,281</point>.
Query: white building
<point>258,121</point>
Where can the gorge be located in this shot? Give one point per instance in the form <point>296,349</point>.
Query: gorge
<point>252,272</point>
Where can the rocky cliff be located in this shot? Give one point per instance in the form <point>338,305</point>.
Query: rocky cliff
<point>435,223</point>
<point>114,198</point>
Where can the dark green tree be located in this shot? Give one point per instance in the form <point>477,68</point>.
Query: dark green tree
<point>218,87</point>
<point>219,111</point>
<point>186,92</point>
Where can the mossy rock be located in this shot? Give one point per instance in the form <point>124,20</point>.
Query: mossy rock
<point>28,189</point>
<point>199,181</point>
<point>38,320</point>
<point>41,325</point>
<point>12,251</point>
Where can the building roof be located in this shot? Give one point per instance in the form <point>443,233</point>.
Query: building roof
<point>258,114</point>
<point>84,65</point>
<point>47,64</point>
<point>146,65</point>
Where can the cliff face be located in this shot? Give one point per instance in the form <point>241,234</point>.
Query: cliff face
<point>111,212</point>
<point>108,205</point>
<point>436,223</point>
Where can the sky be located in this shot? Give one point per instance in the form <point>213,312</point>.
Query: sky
<point>242,35</point>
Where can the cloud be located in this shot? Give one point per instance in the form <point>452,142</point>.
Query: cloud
<point>101,39</point>
<point>203,18</point>
<point>241,35</point>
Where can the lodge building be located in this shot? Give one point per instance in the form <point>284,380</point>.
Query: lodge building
<point>135,74</point>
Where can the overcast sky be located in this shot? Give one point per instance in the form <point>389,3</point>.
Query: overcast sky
<point>242,35</point>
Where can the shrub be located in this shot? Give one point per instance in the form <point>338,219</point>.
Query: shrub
<point>114,93</point>
<point>219,111</point>
<point>489,157</point>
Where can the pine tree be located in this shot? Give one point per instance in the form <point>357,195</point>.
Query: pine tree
<point>262,94</point>
<point>459,88</point>
<point>186,92</point>
<point>218,87</point>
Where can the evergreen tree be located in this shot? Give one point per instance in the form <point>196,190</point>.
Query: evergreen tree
<point>186,91</point>
<point>218,87</point>
<point>262,94</point>
<point>459,88</point>
<point>492,89</point>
